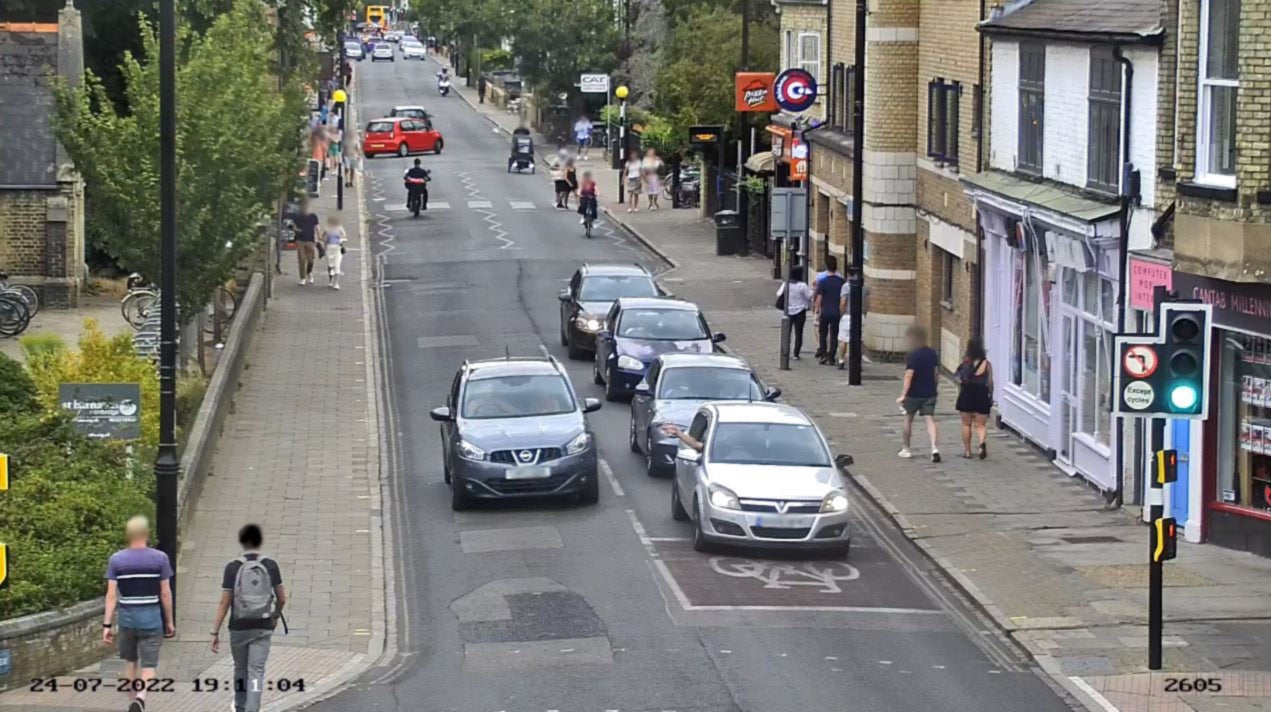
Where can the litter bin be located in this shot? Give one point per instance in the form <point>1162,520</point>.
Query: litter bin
<point>728,235</point>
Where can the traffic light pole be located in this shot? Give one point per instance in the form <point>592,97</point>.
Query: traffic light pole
<point>1156,510</point>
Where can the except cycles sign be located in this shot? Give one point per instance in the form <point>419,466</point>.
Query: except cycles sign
<point>795,90</point>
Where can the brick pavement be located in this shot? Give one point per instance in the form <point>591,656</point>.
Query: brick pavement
<point>299,455</point>
<point>1013,531</point>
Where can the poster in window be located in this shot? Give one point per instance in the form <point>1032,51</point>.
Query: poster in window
<point>1257,438</point>
<point>1246,442</point>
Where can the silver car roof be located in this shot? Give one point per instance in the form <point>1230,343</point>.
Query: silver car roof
<point>753,412</point>
<point>687,360</point>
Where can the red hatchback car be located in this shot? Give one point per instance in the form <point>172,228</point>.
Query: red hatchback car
<point>401,135</point>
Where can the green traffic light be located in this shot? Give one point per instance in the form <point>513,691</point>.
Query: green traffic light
<point>1183,397</point>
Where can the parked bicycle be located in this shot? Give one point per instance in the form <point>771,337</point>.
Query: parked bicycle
<point>137,303</point>
<point>14,315</point>
<point>28,295</point>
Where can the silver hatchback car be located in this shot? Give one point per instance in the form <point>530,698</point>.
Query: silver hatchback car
<point>760,475</point>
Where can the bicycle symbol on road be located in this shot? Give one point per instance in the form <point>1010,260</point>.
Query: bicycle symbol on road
<point>777,575</point>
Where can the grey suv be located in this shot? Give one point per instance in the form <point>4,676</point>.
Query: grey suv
<point>513,428</point>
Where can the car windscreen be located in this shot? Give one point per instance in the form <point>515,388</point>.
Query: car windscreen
<point>661,325</point>
<point>701,383</point>
<point>379,127</point>
<point>608,288</point>
<point>768,444</point>
<point>517,397</point>
<point>412,113</point>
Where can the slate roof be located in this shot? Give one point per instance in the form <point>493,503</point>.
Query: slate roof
<point>1065,200</point>
<point>28,146</point>
<point>1120,20</point>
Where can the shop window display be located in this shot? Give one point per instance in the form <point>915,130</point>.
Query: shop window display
<point>1245,469</point>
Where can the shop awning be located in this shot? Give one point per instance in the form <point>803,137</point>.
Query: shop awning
<point>762,162</point>
<point>1048,196</point>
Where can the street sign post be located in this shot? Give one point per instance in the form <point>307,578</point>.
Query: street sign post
<point>1166,374</point>
<point>593,83</point>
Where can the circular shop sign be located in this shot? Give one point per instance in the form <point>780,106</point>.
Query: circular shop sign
<point>795,90</point>
<point>1140,361</point>
<point>1138,395</point>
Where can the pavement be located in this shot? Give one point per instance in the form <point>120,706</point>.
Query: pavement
<point>68,324</point>
<point>300,456</point>
<point>557,606</point>
<point>1036,550</point>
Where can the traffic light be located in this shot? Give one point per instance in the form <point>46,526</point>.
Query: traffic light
<point>1185,358</point>
<point>1164,539</point>
<point>1166,469</point>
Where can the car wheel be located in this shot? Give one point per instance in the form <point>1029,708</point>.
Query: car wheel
<point>445,469</point>
<point>632,441</point>
<point>610,395</point>
<point>440,145</point>
<point>575,351</point>
<point>700,544</point>
<point>402,150</point>
<point>459,500</point>
<point>651,468</point>
<point>564,338</point>
<point>677,507</point>
<point>842,552</point>
<point>595,371</point>
<point>591,490</point>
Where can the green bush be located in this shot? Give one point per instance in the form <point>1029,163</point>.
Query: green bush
<point>17,390</point>
<point>64,512</point>
<point>38,347</point>
<point>493,59</point>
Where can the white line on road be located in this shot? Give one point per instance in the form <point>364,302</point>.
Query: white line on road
<point>669,538</point>
<point>480,204</point>
<point>639,530</point>
<point>521,205</point>
<point>1094,694</point>
<point>607,471</point>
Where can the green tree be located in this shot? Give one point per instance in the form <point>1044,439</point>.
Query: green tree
<point>695,82</point>
<point>238,141</point>
<point>556,40</point>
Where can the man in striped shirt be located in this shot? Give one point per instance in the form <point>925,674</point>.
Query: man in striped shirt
<point>139,592</point>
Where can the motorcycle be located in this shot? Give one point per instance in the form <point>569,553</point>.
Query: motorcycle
<point>417,187</point>
<point>443,87</point>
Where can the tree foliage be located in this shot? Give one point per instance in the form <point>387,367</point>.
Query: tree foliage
<point>695,82</point>
<point>556,40</point>
<point>238,140</point>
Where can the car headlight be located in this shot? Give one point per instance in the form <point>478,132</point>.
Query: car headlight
<point>834,502</point>
<point>724,499</point>
<point>586,322</point>
<point>630,363</point>
<point>578,444</point>
<point>468,451</point>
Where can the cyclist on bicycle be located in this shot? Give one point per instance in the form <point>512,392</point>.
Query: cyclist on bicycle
<point>588,199</point>
<point>416,181</point>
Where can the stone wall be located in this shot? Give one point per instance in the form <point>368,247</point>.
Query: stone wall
<point>52,642</point>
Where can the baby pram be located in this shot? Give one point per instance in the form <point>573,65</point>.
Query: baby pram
<point>522,151</point>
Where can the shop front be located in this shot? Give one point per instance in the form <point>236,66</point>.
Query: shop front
<point>1051,298</point>
<point>1237,436</point>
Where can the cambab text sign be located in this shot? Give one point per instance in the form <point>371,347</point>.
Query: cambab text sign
<point>754,92</point>
<point>594,83</point>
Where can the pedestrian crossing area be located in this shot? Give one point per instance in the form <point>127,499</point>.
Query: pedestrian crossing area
<point>520,206</point>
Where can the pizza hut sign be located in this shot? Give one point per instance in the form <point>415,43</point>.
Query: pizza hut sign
<point>754,92</point>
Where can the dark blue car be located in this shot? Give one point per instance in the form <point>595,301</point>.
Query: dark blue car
<point>638,330</point>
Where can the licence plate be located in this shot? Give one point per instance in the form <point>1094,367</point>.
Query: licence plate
<point>377,145</point>
<point>529,473</point>
<point>780,521</point>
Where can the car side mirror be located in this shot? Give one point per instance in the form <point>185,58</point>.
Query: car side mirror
<point>771,393</point>
<point>564,295</point>
<point>442,414</point>
<point>605,334</point>
<point>844,461</point>
<point>718,337</point>
<point>591,405</point>
<point>688,454</point>
<point>642,388</point>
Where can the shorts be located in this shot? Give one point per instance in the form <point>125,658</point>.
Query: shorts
<point>583,141</point>
<point>140,646</point>
<point>845,331</point>
<point>921,406</point>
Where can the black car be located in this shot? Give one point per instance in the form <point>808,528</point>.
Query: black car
<point>638,330</point>
<point>592,291</point>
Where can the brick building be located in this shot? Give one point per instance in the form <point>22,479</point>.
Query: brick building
<point>1069,189</point>
<point>41,195</point>
<point>803,37</point>
<point>1214,146</point>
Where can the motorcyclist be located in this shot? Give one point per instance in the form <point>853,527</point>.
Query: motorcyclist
<point>443,80</point>
<point>416,180</point>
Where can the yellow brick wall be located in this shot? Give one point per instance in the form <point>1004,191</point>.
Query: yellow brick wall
<point>802,17</point>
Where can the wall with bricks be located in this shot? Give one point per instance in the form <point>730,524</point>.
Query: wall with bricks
<point>1226,237</point>
<point>798,17</point>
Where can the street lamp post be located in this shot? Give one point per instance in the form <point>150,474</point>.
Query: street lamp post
<point>621,92</point>
<point>167,468</point>
<point>341,107</point>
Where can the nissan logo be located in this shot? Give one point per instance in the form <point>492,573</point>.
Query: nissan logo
<point>526,455</point>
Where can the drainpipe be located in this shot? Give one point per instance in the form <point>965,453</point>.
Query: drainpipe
<point>1129,198</point>
<point>977,314</point>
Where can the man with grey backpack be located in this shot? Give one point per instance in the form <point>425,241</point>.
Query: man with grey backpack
<point>253,595</point>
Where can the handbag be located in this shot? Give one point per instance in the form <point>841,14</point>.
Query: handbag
<point>322,250</point>
<point>344,250</point>
<point>781,301</point>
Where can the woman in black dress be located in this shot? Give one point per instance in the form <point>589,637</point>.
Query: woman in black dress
<point>975,396</point>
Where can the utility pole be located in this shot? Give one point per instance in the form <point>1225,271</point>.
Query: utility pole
<point>1156,510</point>
<point>167,468</point>
<point>855,345</point>
<point>745,35</point>
<point>621,92</point>
<point>341,98</point>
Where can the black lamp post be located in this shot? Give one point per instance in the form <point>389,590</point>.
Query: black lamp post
<point>167,468</point>
<point>622,92</point>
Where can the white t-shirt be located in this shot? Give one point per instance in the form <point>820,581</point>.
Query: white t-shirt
<point>800,297</point>
<point>633,169</point>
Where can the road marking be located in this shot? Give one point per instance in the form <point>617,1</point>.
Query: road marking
<point>480,204</point>
<point>1094,694</point>
<point>669,538</point>
<point>607,471</point>
<point>777,575</point>
<point>639,530</point>
<point>521,205</point>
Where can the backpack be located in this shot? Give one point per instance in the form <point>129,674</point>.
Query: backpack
<point>253,590</point>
